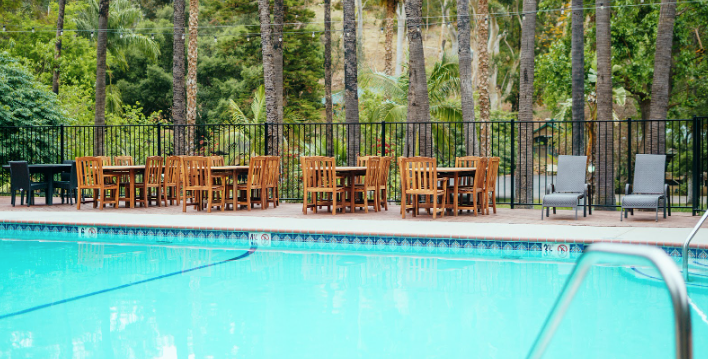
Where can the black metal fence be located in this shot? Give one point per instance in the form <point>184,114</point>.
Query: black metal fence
<point>610,146</point>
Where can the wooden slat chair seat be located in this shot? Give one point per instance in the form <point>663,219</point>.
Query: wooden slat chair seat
<point>251,190</point>
<point>370,183</point>
<point>319,177</point>
<point>475,191</point>
<point>419,177</point>
<point>90,177</point>
<point>151,186</point>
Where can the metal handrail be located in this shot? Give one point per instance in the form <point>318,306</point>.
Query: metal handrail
<point>684,253</point>
<point>609,253</point>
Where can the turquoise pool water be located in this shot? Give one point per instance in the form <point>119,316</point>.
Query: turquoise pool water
<point>82,300</point>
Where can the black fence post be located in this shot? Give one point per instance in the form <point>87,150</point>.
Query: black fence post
<point>61,143</point>
<point>265,139</point>
<point>629,148</point>
<point>383,138</point>
<point>159,140</point>
<point>513,162</point>
<point>695,170</point>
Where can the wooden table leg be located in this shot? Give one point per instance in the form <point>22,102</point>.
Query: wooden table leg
<point>130,196</point>
<point>235,193</point>
<point>456,179</point>
<point>351,192</point>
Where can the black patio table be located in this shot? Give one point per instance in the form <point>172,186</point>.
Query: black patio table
<point>49,170</point>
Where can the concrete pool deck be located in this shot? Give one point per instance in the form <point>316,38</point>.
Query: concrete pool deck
<point>507,224</point>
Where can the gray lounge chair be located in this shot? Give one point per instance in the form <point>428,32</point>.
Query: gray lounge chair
<point>570,186</point>
<point>649,189</point>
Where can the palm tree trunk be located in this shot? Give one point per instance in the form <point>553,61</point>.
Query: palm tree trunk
<point>466,90</point>
<point>360,30</point>
<point>268,72</point>
<point>102,44</point>
<point>178,85</point>
<point>328,75</point>
<point>192,72</point>
<point>418,102</point>
<point>351,98</point>
<point>278,44</point>
<point>483,73</point>
<point>524,161</point>
<point>578,78</point>
<point>604,163</point>
<point>401,13</point>
<point>388,43</point>
<point>57,46</point>
<point>662,77</point>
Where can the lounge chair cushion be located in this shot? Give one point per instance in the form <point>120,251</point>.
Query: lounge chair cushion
<point>562,199</point>
<point>641,201</point>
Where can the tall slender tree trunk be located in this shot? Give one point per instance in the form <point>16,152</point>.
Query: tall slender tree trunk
<point>661,86</point>
<point>524,160</point>
<point>278,45</point>
<point>192,72</point>
<point>328,75</point>
<point>483,73</point>
<point>360,30</point>
<point>351,98</point>
<point>578,78</point>
<point>604,163</point>
<point>388,43</point>
<point>401,13</point>
<point>57,46</point>
<point>466,90</point>
<point>268,72</point>
<point>418,102</point>
<point>178,85</point>
<point>102,44</point>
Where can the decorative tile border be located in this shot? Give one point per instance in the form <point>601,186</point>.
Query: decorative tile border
<point>319,240</point>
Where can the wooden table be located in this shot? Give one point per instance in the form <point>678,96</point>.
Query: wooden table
<point>131,171</point>
<point>48,170</point>
<point>455,173</point>
<point>350,172</point>
<point>234,171</point>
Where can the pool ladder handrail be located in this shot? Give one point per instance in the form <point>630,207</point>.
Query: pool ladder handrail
<point>613,253</point>
<point>684,252</point>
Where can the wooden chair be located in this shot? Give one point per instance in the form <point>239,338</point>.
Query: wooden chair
<point>257,173</point>
<point>467,161</point>
<point>171,182</point>
<point>369,184</point>
<point>123,160</point>
<point>90,177</point>
<point>490,184</point>
<point>384,168</point>
<point>474,192</point>
<point>105,160</point>
<point>123,180</point>
<point>419,177</point>
<point>272,178</point>
<point>219,179</point>
<point>319,176</point>
<point>152,181</point>
<point>198,181</point>
<point>409,199</point>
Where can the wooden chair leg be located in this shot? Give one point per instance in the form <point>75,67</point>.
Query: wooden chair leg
<point>334,204</point>
<point>184,203</point>
<point>403,205</point>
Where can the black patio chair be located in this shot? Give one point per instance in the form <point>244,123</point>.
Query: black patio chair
<point>20,181</point>
<point>68,183</point>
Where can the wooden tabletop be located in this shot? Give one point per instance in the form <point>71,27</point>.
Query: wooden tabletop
<point>456,169</point>
<point>350,168</point>
<point>229,168</point>
<point>124,168</point>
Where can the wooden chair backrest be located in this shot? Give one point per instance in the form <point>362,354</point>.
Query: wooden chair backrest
<point>272,172</point>
<point>196,171</point>
<point>320,172</point>
<point>257,170</point>
<point>361,160</point>
<point>172,170</point>
<point>401,173</point>
<point>480,174</point>
<point>420,174</point>
<point>467,161</point>
<point>384,169</point>
<point>372,171</point>
<point>153,170</point>
<point>89,172</point>
<point>123,160</point>
<point>492,172</point>
<point>216,161</point>
<point>105,160</point>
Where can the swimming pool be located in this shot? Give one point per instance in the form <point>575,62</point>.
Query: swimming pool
<point>107,300</point>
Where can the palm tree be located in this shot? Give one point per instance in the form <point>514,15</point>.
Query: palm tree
<point>401,14</point>
<point>483,72</point>
<point>192,70</point>
<point>351,98</point>
<point>328,74</point>
<point>100,116</point>
<point>278,44</point>
<point>418,102</point>
<point>605,158</point>
<point>578,78</point>
<point>268,72</point>
<point>57,46</point>
<point>662,77</point>
<point>466,91</point>
<point>524,161</point>
<point>388,43</point>
<point>178,85</point>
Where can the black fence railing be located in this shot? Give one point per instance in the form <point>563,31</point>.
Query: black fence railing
<point>610,146</point>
